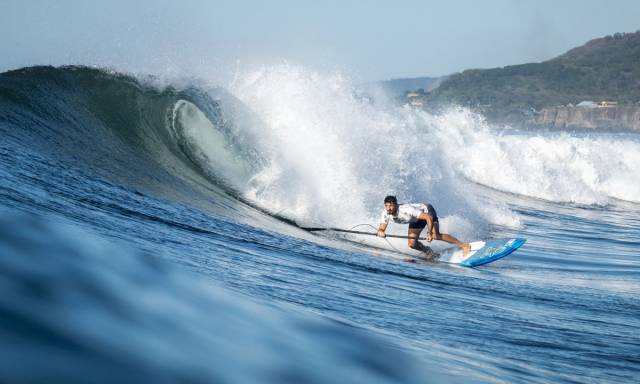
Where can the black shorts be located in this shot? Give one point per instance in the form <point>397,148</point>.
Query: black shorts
<point>421,224</point>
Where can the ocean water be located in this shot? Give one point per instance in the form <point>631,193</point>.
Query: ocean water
<point>149,230</point>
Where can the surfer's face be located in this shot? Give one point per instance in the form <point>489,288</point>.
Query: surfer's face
<point>391,208</point>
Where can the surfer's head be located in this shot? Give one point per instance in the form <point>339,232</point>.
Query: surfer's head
<point>391,204</point>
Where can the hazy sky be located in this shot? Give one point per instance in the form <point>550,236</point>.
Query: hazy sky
<point>368,40</point>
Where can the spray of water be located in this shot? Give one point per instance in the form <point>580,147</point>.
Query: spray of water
<point>332,156</point>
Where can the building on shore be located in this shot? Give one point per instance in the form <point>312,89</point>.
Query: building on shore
<point>601,104</point>
<point>587,104</point>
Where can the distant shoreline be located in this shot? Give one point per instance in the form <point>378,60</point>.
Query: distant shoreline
<point>593,86</point>
<point>576,117</point>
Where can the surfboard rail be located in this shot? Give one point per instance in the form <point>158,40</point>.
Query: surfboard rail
<point>482,252</point>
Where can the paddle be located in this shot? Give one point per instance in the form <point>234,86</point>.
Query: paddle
<point>314,229</point>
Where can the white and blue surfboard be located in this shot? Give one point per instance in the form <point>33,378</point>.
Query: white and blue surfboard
<point>482,252</point>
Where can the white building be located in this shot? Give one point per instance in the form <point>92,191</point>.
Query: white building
<point>587,104</point>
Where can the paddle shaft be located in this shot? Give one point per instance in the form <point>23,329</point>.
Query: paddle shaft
<point>350,231</point>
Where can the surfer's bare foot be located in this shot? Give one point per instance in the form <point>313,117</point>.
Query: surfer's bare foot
<point>466,248</point>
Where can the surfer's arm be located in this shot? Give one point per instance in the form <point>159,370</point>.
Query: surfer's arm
<point>427,217</point>
<point>381,228</point>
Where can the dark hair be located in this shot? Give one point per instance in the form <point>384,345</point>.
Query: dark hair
<point>390,199</point>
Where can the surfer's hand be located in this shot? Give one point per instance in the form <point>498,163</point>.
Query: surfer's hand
<point>381,234</point>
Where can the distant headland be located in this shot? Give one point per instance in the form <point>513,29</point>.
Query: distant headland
<point>596,85</point>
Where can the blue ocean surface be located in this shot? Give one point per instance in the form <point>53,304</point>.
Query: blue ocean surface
<point>151,233</point>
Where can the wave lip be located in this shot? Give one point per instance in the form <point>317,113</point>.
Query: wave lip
<point>218,150</point>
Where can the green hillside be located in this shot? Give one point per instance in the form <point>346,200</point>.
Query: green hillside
<point>603,69</point>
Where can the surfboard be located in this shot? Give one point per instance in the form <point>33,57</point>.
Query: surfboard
<point>482,252</point>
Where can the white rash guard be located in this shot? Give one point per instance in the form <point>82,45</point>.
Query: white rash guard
<point>407,213</point>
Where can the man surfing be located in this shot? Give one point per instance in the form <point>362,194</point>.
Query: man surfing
<point>418,216</point>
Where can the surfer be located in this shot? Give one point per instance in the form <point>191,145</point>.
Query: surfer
<point>418,216</point>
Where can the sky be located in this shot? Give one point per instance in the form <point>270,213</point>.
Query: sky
<point>368,40</point>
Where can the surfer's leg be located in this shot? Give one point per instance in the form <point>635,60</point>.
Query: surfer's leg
<point>415,228</point>
<point>414,235</point>
<point>466,247</point>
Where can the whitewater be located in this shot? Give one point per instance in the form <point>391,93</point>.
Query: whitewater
<point>150,230</point>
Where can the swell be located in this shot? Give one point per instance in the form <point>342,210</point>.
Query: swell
<point>174,323</point>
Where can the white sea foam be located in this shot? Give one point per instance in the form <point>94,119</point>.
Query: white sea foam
<point>337,155</point>
<point>557,167</point>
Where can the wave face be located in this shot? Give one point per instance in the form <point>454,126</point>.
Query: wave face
<point>193,186</point>
<point>132,131</point>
